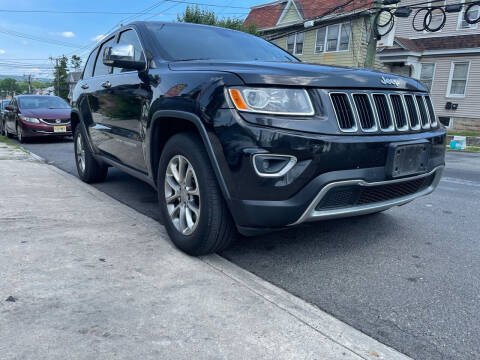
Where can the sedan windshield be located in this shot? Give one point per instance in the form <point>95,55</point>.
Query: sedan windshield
<point>5,104</point>
<point>42,102</point>
<point>192,42</point>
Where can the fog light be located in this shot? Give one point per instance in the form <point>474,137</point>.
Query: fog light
<point>273,165</point>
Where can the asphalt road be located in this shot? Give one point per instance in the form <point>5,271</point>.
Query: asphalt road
<point>409,277</point>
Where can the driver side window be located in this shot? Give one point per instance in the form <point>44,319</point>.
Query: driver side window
<point>130,37</point>
<point>100,67</point>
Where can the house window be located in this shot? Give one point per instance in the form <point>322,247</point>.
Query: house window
<point>457,84</point>
<point>333,38</point>
<point>295,43</point>
<point>426,75</point>
<point>472,14</point>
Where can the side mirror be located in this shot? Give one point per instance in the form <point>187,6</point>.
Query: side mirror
<point>9,108</point>
<point>122,56</point>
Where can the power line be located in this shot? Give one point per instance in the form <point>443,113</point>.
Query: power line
<point>37,38</point>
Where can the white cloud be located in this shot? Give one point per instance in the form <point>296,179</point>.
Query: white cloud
<point>67,34</point>
<point>35,70</point>
<point>98,37</point>
<point>2,51</point>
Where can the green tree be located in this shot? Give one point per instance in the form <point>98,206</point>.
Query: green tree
<point>193,14</point>
<point>60,77</point>
<point>8,86</point>
<point>76,62</point>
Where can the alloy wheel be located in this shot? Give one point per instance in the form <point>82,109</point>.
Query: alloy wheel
<point>19,133</point>
<point>80,152</point>
<point>182,195</point>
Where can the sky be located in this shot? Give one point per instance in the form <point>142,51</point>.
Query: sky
<point>66,33</point>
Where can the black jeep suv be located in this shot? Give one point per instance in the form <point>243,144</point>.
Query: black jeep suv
<point>236,133</point>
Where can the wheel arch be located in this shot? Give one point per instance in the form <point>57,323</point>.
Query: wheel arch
<point>165,124</point>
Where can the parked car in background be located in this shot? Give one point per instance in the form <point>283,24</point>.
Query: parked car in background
<point>30,116</point>
<point>236,133</point>
<point>3,105</point>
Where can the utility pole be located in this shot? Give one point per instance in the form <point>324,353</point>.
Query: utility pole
<point>57,76</point>
<point>372,41</point>
<point>29,82</point>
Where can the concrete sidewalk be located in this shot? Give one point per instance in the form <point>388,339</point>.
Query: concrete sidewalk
<point>83,276</point>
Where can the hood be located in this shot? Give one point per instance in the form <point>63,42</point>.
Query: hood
<point>303,74</point>
<point>46,113</point>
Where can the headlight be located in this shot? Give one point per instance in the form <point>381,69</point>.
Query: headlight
<point>30,120</point>
<point>272,101</point>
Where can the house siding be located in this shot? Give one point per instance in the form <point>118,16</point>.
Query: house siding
<point>404,25</point>
<point>290,16</point>
<point>468,107</point>
<point>354,56</point>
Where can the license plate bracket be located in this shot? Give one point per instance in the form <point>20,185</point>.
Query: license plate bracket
<point>408,158</point>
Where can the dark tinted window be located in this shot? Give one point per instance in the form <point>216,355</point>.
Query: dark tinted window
<point>100,68</point>
<point>87,72</point>
<point>42,102</point>
<point>183,42</point>
<point>130,37</point>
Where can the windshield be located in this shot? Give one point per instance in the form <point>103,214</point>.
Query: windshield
<point>190,42</point>
<point>5,104</point>
<point>42,102</point>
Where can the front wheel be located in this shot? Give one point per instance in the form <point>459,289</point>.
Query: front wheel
<point>196,216</point>
<point>88,168</point>
<point>21,138</point>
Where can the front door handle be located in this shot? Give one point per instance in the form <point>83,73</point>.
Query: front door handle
<point>85,86</point>
<point>107,84</point>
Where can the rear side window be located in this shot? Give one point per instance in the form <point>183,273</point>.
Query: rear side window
<point>100,68</point>
<point>130,37</point>
<point>87,72</point>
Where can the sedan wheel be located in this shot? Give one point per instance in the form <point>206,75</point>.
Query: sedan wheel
<point>182,195</point>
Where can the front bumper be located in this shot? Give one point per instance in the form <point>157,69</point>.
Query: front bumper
<point>42,129</point>
<point>325,162</point>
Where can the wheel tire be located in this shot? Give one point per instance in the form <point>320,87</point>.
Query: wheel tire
<point>20,137</point>
<point>2,128</point>
<point>214,229</point>
<point>88,168</point>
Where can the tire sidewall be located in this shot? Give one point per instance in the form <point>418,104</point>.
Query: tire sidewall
<point>189,149</point>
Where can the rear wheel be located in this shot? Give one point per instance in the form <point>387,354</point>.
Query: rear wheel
<point>196,216</point>
<point>88,168</point>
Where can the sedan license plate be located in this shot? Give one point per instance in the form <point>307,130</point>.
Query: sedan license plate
<point>61,129</point>
<point>408,158</point>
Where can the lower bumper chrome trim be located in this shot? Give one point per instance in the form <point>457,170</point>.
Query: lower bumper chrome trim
<point>311,214</point>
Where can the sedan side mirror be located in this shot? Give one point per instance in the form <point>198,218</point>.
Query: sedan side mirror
<point>9,108</point>
<point>122,56</point>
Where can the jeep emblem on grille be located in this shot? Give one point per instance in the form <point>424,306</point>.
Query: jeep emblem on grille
<point>390,81</point>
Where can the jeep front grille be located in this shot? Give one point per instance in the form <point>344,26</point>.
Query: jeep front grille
<point>365,111</point>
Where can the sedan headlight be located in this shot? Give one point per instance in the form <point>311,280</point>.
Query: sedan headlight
<point>30,120</point>
<point>272,100</point>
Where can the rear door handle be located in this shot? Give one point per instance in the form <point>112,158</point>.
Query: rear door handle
<point>85,86</point>
<point>107,84</point>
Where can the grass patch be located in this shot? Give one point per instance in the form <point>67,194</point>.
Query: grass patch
<point>6,140</point>
<point>464,133</point>
<point>468,149</point>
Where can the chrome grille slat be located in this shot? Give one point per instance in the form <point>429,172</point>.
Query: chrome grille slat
<point>399,112</point>
<point>423,111</point>
<point>365,113</point>
<point>344,112</point>
<point>431,111</point>
<point>390,111</point>
<point>412,112</point>
<point>383,112</point>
